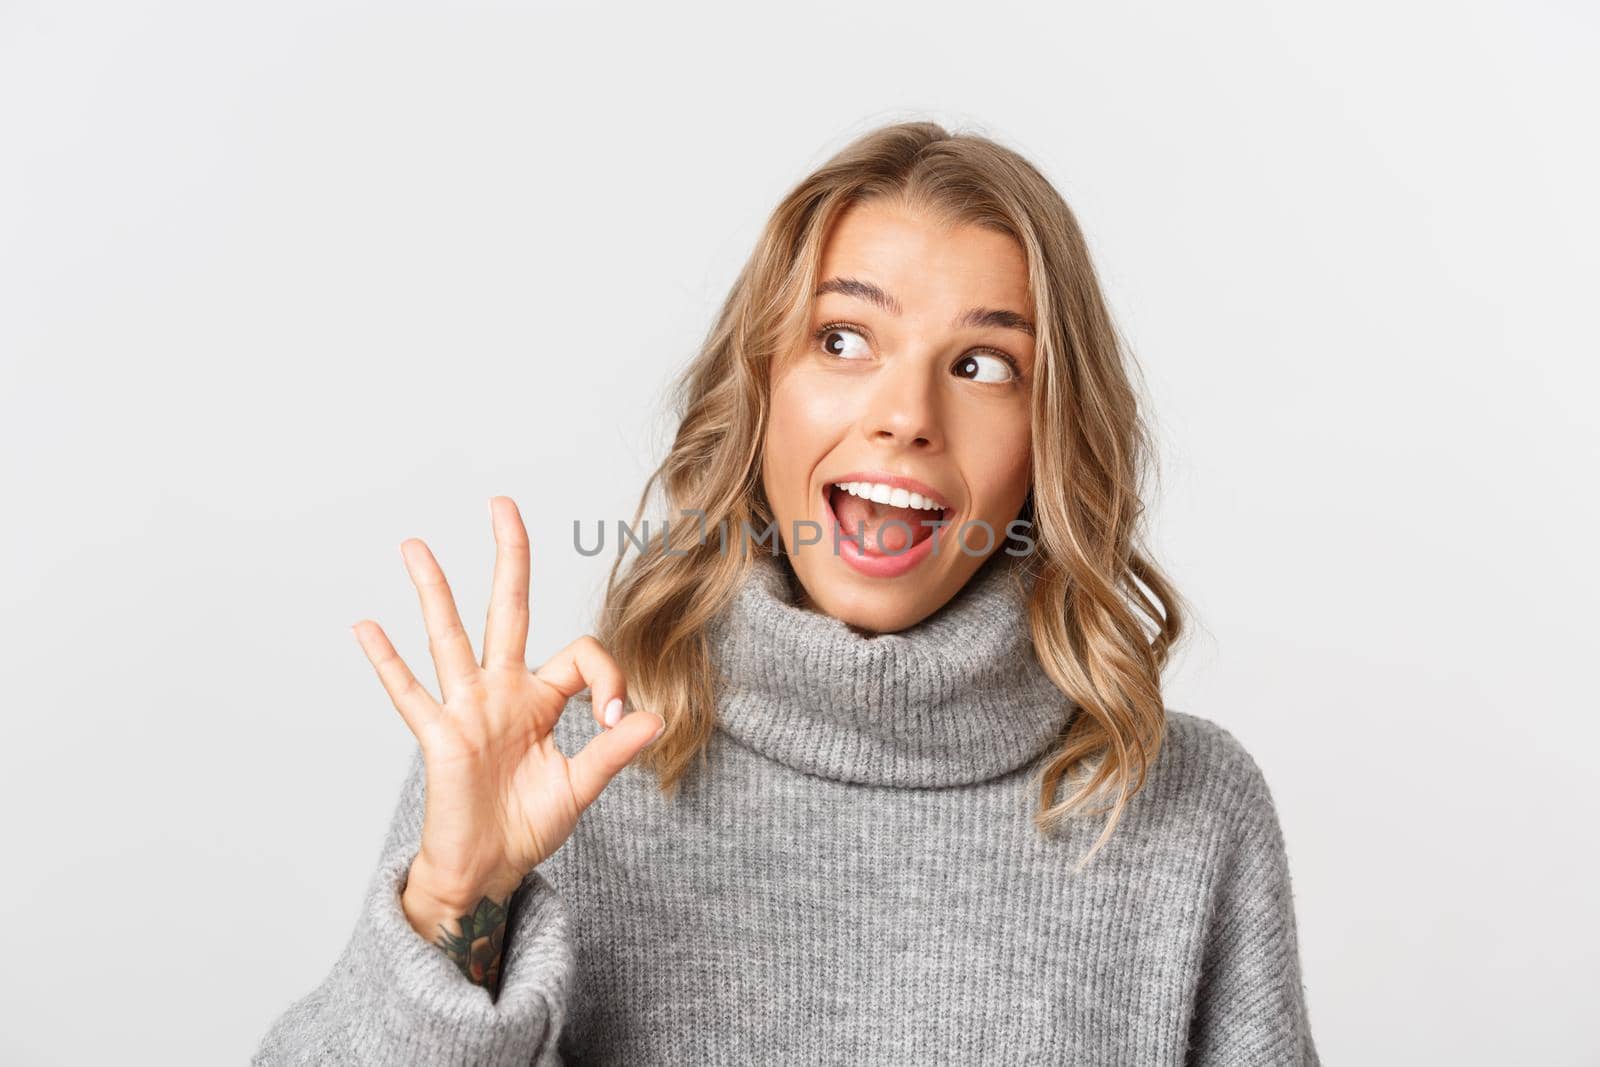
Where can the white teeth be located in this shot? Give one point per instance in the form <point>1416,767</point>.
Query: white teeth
<point>894,497</point>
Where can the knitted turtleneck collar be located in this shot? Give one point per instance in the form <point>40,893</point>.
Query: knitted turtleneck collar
<point>958,698</point>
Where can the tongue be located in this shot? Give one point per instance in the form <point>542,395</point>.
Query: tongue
<point>854,514</point>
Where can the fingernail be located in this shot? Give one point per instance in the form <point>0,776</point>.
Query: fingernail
<point>659,731</point>
<point>614,711</point>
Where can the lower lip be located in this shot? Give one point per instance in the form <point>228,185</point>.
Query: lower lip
<point>874,566</point>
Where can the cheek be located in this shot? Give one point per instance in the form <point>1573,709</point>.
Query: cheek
<point>802,426</point>
<point>807,407</point>
<point>1001,473</point>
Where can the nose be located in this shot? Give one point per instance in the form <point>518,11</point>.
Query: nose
<point>903,407</point>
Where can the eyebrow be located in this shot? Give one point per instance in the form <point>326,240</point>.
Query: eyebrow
<point>979,316</point>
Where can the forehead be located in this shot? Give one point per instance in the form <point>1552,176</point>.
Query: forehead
<point>923,262</point>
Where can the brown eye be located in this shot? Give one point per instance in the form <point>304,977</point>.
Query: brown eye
<point>983,367</point>
<point>842,342</point>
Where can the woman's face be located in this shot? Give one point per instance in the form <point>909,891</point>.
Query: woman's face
<point>914,377</point>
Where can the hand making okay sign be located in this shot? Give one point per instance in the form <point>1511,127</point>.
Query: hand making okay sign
<point>500,795</point>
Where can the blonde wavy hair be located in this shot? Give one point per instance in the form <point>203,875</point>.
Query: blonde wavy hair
<point>1103,618</point>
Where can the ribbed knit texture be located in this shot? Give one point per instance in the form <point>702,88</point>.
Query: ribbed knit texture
<point>856,878</point>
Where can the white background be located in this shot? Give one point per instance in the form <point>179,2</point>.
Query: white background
<point>284,284</point>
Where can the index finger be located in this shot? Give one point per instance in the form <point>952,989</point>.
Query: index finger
<point>585,664</point>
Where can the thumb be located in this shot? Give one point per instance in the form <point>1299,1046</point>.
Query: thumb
<point>592,769</point>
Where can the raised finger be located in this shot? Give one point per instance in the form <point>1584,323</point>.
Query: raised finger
<point>447,638</point>
<point>414,703</point>
<point>505,637</point>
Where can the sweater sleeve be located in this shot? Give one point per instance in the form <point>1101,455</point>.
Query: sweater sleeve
<point>1250,1006</point>
<point>393,997</point>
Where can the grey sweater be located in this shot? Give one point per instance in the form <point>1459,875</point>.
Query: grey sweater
<point>855,877</point>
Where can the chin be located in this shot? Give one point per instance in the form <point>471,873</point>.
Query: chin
<point>863,604</point>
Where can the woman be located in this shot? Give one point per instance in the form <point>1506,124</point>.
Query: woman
<point>897,656</point>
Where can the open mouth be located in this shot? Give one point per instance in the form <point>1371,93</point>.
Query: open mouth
<point>888,520</point>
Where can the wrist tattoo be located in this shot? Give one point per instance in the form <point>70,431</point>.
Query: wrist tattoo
<point>477,948</point>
